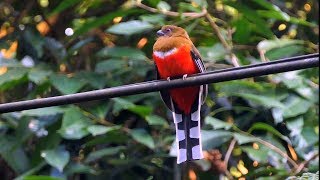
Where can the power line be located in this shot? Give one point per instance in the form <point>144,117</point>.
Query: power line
<point>272,67</point>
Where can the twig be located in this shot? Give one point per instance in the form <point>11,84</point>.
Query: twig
<point>171,13</point>
<point>304,163</point>
<point>228,153</point>
<point>224,43</point>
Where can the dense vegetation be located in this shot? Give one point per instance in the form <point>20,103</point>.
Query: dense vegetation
<point>257,128</point>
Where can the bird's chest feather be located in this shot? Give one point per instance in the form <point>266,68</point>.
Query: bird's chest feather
<point>174,62</point>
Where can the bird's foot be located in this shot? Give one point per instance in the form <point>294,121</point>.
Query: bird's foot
<point>168,79</point>
<point>184,76</point>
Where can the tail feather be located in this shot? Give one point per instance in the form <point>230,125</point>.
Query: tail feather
<point>188,135</point>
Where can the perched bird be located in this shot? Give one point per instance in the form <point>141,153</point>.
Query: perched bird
<point>175,56</point>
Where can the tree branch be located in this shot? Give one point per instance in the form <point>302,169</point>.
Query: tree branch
<point>304,163</point>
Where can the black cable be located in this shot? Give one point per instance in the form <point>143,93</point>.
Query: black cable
<point>283,65</point>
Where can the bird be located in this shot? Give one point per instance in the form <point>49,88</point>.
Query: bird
<point>175,56</point>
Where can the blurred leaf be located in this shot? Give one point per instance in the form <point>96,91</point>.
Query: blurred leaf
<point>267,127</point>
<point>216,123</point>
<point>96,22</point>
<point>104,152</point>
<point>56,48</point>
<point>201,3</point>
<point>130,27</point>
<point>44,111</point>
<point>141,136</point>
<point>12,78</point>
<point>155,120</point>
<point>57,158</point>
<point>65,84</point>
<point>242,139</point>
<point>38,76</point>
<point>122,52</point>
<point>268,102</point>
<point>305,176</point>
<point>94,79</point>
<point>110,65</point>
<point>213,139</point>
<point>260,155</point>
<point>214,53</point>
<point>295,125</point>
<point>153,18</point>
<point>310,135</point>
<point>285,52</point>
<point>123,104</point>
<point>163,6</point>
<point>99,129</point>
<point>295,106</point>
<point>267,45</point>
<point>74,124</point>
<point>64,5</point>
<point>34,177</point>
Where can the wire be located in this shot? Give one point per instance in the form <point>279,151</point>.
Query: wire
<point>272,67</point>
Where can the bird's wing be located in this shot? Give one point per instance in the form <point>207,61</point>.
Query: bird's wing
<point>197,59</point>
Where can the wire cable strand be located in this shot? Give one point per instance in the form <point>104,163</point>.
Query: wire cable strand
<point>261,69</point>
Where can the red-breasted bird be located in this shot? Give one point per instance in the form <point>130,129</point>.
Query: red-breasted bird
<point>175,56</point>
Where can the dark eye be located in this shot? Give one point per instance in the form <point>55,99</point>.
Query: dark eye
<point>168,30</point>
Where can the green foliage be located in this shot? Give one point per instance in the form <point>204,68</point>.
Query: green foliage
<point>133,137</point>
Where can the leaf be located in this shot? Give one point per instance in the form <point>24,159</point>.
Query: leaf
<point>38,76</point>
<point>57,158</point>
<point>65,84</point>
<point>41,177</point>
<point>110,65</point>
<point>163,6</point>
<point>214,53</point>
<point>268,102</point>
<point>260,155</point>
<point>64,5</point>
<point>213,139</point>
<point>12,78</point>
<point>242,139</point>
<point>96,80</point>
<point>104,152</point>
<point>74,124</point>
<point>309,134</point>
<point>285,52</point>
<point>44,111</point>
<point>141,136</point>
<point>295,106</point>
<point>130,27</point>
<point>122,52</point>
<point>216,123</point>
<point>123,104</point>
<point>99,129</point>
<point>267,45</point>
<point>56,48</point>
<point>155,120</point>
<point>90,24</point>
<point>267,127</point>
<point>295,125</point>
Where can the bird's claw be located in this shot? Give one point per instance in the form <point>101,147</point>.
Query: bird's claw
<point>168,78</point>
<point>184,76</point>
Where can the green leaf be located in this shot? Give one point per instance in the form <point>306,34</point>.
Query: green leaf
<point>267,45</point>
<point>90,24</point>
<point>285,52</point>
<point>141,136</point>
<point>213,139</point>
<point>242,139</point>
<point>110,65</point>
<point>267,127</point>
<point>65,84</point>
<point>12,78</point>
<point>99,129</point>
<point>130,27</point>
<point>96,80</point>
<point>260,155</point>
<point>155,120</point>
<point>122,52</point>
<point>163,6</point>
<point>268,102</point>
<point>295,106</point>
<point>57,158</point>
<point>216,123</point>
<point>41,177</point>
<point>123,104</point>
<point>44,111</point>
<point>214,53</point>
<point>104,152</point>
<point>310,136</point>
<point>64,5</point>
<point>74,124</point>
<point>38,76</point>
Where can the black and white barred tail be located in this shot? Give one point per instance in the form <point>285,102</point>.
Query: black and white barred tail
<point>188,134</point>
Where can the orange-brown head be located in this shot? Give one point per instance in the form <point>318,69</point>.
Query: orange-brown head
<point>169,37</point>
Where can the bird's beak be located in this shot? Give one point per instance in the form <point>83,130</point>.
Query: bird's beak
<point>160,33</point>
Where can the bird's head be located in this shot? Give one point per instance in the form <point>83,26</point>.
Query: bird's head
<point>172,31</point>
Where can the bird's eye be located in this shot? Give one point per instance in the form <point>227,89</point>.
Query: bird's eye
<point>168,30</point>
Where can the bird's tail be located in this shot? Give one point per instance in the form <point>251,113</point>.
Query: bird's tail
<point>188,135</point>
